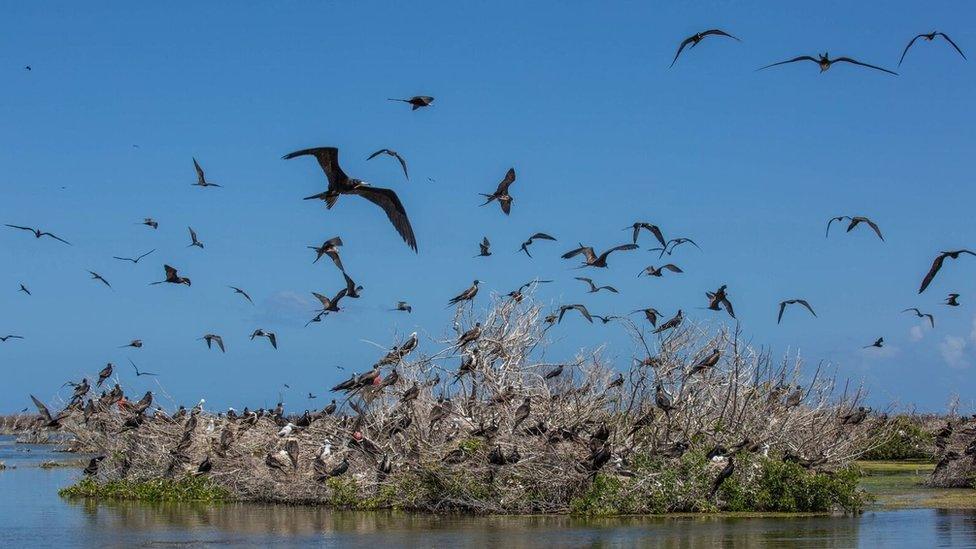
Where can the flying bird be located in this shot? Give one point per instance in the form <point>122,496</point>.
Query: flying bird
<point>242,292</point>
<point>577,307</point>
<point>3,339</point>
<point>194,241</point>
<point>855,221</point>
<point>172,277</point>
<point>140,373</point>
<point>352,289</point>
<point>39,233</point>
<point>783,304</point>
<point>136,260</point>
<point>150,222</point>
<point>719,299</point>
<point>672,244</point>
<point>394,154</point>
<point>51,421</point>
<point>485,248</point>
<point>417,101</point>
<point>96,276</point>
<point>937,265</point>
<point>674,322</point>
<point>930,37</point>
<point>201,179</point>
<point>330,305</point>
<point>24,289</point>
<point>593,260</point>
<point>270,335</point>
<point>213,338</point>
<point>466,295</point>
<point>696,38</point>
<point>653,229</point>
<point>516,295</point>
<point>536,236</point>
<point>650,270</point>
<point>330,248</point>
<point>825,62</point>
<point>952,300</point>
<point>879,343</point>
<point>135,344</point>
<point>340,183</point>
<point>651,314</point>
<point>920,314</point>
<point>501,192</point>
<point>593,287</point>
<point>403,306</point>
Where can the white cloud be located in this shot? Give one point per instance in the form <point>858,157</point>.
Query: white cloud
<point>972,335</point>
<point>916,333</point>
<point>953,349</point>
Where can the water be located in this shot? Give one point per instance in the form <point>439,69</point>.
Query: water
<point>32,515</point>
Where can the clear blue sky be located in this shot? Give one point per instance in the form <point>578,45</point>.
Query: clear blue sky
<point>577,97</point>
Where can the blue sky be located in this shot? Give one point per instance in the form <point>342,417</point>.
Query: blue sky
<point>577,97</point>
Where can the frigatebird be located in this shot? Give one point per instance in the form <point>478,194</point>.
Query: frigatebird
<point>270,335</point>
<point>201,179</point>
<point>920,314</point>
<point>172,277</point>
<point>394,154</point>
<point>937,265</point>
<point>501,192</point>
<point>855,221</point>
<point>330,248</point>
<point>593,260</point>
<point>696,38</point>
<point>39,233</point>
<point>417,101</point>
<point>536,236</point>
<point>783,304</point>
<point>825,62</point>
<point>930,37</point>
<point>593,287</point>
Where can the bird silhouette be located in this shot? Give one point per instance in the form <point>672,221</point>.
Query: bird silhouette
<point>650,313</point>
<point>39,233</point>
<point>593,260</point>
<point>172,277</point>
<point>930,37</point>
<point>213,338</point>
<point>134,260</point>
<point>879,343</point>
<point>96,276</point>
<point>394,154</point>
<point>140,373</point>
<point>3,339</point>
<point>272,338</point>
<point>650,227</point>
<point>825,62</point>
<point>854,222</point>
<point>920,314</point>
<point>466,295</point>
<point>673,322</point>
<point>150,222</point>
<point>537,236</point>
<point>243,293</point>
<point>719,299</point>
<point>484,247</point>
<point>593,287</point>
<point>575,307</point>
<point>417,101</point>
<point>937,265</point>
<point>194,241</point>
<point>501,192</point>
<point>330,248</point>
<point>24,289</point>
<point>135,344</point>
<point>201,179</point>
<point>952,300</point>
<point>696,38</point>
<point>783,304</point>
<point>672,244</point>
<point>659,271</point>
<point>403,306</point>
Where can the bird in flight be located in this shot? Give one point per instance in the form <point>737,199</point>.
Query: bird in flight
<point>201,179</point>
<point>937,265</point>
<point>330,305</point>
<point>140,373</point>
<point>517,296</point>
<point>593,260</point>
<point>825,62</point>
<point>920,314</point>
<point>650,227</point>
<point>417,101</point>
<point>650,314</point>
<point>28,68</point>
<point>466,295</point>
<point>536,236</point>
<point>783,304</point>
<point>330,248</point>
<point>135,343</point>
<point>24,289</point>
<point>172,277</point>
<point>150,222</point>
<point>270,335</point>
<point>719,299</point>
<point>194,241</point>
<point>136,260</point>
<point>593,287</point>
<point>575,307</point>
<point>501,192</point>
<point>39,233</point>
<point>394,154</point>
<point>673,322</point>
<point>242,292</point>
<point>694,40</point>
<point>96,276</point>
<point>672,244</point>
<point>352,289</point>
<point>952,300</point>
<point>659,271</point>
<point>340,183</point>
<point>213,338</point>
<point>879,343</point>
<point>930,37</point>
<point>485,248</point>
<point>403,306</point>
<point>3,339</point>
<point>854,222</point>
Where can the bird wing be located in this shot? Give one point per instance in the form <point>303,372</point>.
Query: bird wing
<point>807,305</point>
<point>681,47</point>
<point>782,307</point>
<point>874,226</point>
<point>220,343</point>
<point>326,302</point>
<point>618,248</point>
<point>350,284</point>
<point>403,164</point>
<point>328,158</point>
<point>170,271</point>
<point>794,60</point>
<point>42,409</point>
<point>200,179</point>
<point>584,312</point>
<point>390,202</point>
<point>936,265</point>
<point>145,254</point>
<point>55,237</point>
<point>856,62</point>
<point>832,219</point>
<point>336,260</point>
<point>728,306</point>
<point>273,339</point>
<point>193,234</point>
<point>377,153</point>
<point>907,47</point>
<point>672,267</point>
<point>506,206</point>
<point>655,231</point>
<point>506,182</point>
<point>21,228</point>
<point>541,236</point>
<point>719,32</point>
<point>573,253</point>
<point>949,40</point>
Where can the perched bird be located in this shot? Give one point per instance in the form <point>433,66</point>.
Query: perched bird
<point>593,287</point>
<point>172,277</point>
<point>150,222</point>
<point>522,412</point>
<point>536,236</point>
<point>394,154</point>
<point>719,299</point>
<point>854,222</point>
<point>577,307</point>
<point>417,101</point>
<point>201,179</point>
<point>270,335</point>
<point>825,62</point>
<point>485,247</point>
<point>674,322</point>
<point>650,270</point>
<point>213,338</point>
<point>242,292</point>
<point>920,314</point>
<point>783,304</point>
<point>937,265</point>
<point>516,295</point>
<point>104,374</point>
<point>330,248</point>
<point>96,276</point>
<point>952,300</point>
<point>403,306</point>
<point>340,183</point>
<point>930,37</point>
<point>694,39</point>
<point>39,233</point>
<point>140,373</point>
<point>879,343</point>
<point>24,289</point>
<point>653,229</point>
<point>134,260</point>
<point>194,241</point>
<point>662,399</point>
<point>855,417</point>
<point>593,260</point>
<point>651,314</point>
<point>135,343</point>
<point>501,192</point>
<point>724,474</point>
<point>555,372</point>
<point>466,295</point>
<point>205,466</point>
<point>706,363</point>
<point>469,336</point>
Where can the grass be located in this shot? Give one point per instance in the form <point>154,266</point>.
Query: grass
<point>901,485</point>
<point>185,489</point>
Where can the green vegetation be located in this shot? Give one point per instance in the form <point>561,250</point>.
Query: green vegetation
<point>184,489</point>
<point>905,440</point>
<point>787,487</point>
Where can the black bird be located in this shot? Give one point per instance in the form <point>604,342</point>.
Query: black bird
<point>555,372</point>
<point>394,154</point>
<point>136,260</point>
<point>522,412</point>
<point>242,292</point>
<point>856,417</point>
<point>28,68</point>
<point>172,277</point>
<point>672,244</point>
<point>783,304</point>
<point>96,276</point>
<point>930,37</point>
<point>104,374</point>
<point>150,222</point>
<point>724,474</point>
<point>706,363</point>
<point>577,307</point>
<point>593,260</point>
<point>3,339</point>
<point>417,101</point>
<point>338,470</point>
<point>330,305</point>
<point>24,289</point>
<point>674,322</point>
<point>653,229</point>
<point>516,295</point>
<point>205,466</point>
<point>485,248</point>
<point>536,236</point>
<point>403,306</point>
<point>135,343</point>
<point>501,192</point>
<point>201,179</point>
<point>469,336</point>
<point>719,299</point>
<point>952,300</point>
<point>194,241</point>
<point>825,62</point>
<point>662,399</point>
<point>937,264</point>
<point>854,222</point>
<point>698,37</point>
<point>659,271</point>
<point>466,295</point>
<point>920,314</point>
<point>352,289</point>
<point>138,372</point>
<point>92,468</point>
<point>879,343</point>
<point>340,183</point>
<point>330,248</point>
<point>330,408</point>
<point>605,319</point>
<point>598,458</point>
<point>270,335</point>
<point>50,421</point>
<point>213,338</point>
<point>593,287</point>
<point>39,233</point>
<point>650,314</point>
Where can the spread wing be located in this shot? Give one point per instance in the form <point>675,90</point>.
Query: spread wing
<point>573,253</point>
<point>328,158</point>
<point>42,409</point>
<point>21,228</point>
<point>541,236</point>
<point>377,153</point>
<point>807,305</point>
<point>782,307</point>
<point>655,231</point>
<point>220,343</point>
<point>200,178</point>
<point>55,237</point>
<point>832,219</point>
<point>719,32</point>
<point>193,234</point>
<point>949,40</point>
<point>403,164</point>
<point>390,202</point>
<point>618,248</point>
<point>681,47</point>
<point>170,271</point>
<point>506,182</point>
<point>874,226</point>
<point>794,60</point>
<point>909,46</point>
<point>934,270</point>
<point>856,62</point>
<point>672,267</point>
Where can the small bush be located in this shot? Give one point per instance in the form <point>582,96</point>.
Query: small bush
<point>781,486</point>
<point>904,440</point>
<point>184,489</point>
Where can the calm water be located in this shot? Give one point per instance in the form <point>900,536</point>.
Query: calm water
<point>32,515</point>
